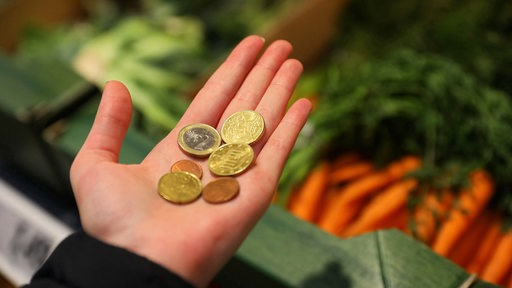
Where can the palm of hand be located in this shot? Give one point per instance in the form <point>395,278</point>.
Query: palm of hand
<point>119,204</point>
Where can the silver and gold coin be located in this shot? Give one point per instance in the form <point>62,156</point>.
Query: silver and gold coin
<point>199,139</point>
<point>243,127</point>
<point>179,187</point>
<point>231,159</point>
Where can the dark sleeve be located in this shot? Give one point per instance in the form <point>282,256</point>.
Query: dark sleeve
<point>83,261</point>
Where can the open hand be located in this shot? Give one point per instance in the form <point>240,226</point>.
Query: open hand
<point>119,204</point>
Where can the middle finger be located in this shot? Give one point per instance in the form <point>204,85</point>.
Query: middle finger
<point>258,80</point>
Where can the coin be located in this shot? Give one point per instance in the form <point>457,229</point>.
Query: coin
<point>221,190</point>
<point>243,127</point>
<point>199,139</point>
<point>179,187</point>
<point>230,159</point>
<point>187,166</point>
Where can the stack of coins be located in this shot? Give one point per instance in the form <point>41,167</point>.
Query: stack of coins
<point>238,132</point>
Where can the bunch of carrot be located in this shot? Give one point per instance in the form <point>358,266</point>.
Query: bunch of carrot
<point>350,196</point>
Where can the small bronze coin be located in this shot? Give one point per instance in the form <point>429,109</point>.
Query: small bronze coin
<point>199,139</point>
<point>179,187</point>
<point>187,166</point>
<point>221,190</point>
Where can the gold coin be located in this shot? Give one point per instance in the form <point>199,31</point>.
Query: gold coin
<point>187,166</point>
<point>199,139</point>
<point>243,127</point>
<point>179,187</point>
<point>221,190</point>
<point>231,159</point>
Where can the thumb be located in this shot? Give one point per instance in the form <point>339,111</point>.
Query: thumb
<point>109,128</point>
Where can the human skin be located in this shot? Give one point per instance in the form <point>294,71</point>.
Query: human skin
<point>119,203</point>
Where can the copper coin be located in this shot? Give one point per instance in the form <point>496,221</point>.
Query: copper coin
<point>187,166</point>
<point>221,190</point>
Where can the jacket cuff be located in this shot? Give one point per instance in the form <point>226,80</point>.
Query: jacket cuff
<point>83,261</point>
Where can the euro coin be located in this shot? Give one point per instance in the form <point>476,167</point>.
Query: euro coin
<point>243,127</point>
<point>187,166</point>
<point>230,159</point>
<point>199,139</point>
<point>221,190</point>
<point>179,187</point>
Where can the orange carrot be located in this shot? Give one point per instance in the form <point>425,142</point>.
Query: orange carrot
<point>509,284</point>
<point>343,162</point>
<point>349,171</point>
<point>392,173</point>
<point>344,159</point>
<point>352,197</point>
<point>501,261</point>
<point>308,197</point>
<point>292,198</point>
<point>387,202</point>
<point>327,201</point>
<point>486,247</point>
<point>507,280</point>
<point>397,220</point>
<point>471,202</point>
<point>428,214</point>
<point>464,251</point>
<point>404,166</point>
<point>344,207</point>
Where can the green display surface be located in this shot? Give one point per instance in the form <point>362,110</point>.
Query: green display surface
<point>283,251</point>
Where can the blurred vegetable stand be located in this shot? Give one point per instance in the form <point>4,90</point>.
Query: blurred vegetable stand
<point>436,90</point>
